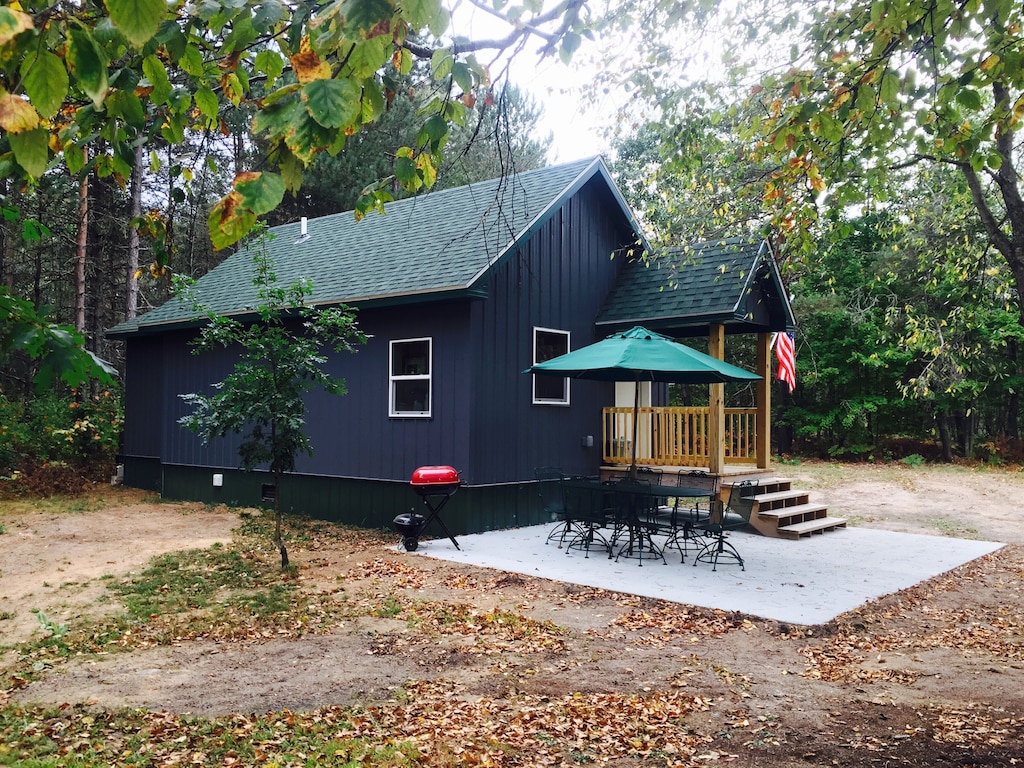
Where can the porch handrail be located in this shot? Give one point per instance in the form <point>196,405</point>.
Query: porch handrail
<point>676,436</point>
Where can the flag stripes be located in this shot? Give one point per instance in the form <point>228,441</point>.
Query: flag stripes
<point>785,353</point>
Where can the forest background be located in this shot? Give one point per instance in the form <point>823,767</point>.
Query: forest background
<point>874,145</point>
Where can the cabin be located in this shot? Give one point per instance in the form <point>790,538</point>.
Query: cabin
<point>458,292</point>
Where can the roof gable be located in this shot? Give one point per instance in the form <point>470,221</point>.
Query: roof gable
<point>681,291</point>
<point>435,245</point>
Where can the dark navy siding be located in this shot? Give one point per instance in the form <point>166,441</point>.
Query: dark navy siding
<point>353,436</point>
<point>184,373</point>
<point>558,279</point>
<point>143,397</point>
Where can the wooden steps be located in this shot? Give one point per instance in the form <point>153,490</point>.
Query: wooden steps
<point>785,513</point>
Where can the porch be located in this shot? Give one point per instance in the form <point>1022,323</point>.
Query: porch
<point>679,437</point>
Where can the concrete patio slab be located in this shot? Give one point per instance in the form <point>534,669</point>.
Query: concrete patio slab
<point>807,582</point>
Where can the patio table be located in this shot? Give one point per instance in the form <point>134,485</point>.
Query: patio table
<point>636,513</point>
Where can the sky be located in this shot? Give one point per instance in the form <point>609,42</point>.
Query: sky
<point>556,86</point>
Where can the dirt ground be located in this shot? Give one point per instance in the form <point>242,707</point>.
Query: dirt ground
<point>930,676</point>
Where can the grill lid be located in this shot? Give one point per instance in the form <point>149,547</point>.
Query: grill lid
<point>435,475</point>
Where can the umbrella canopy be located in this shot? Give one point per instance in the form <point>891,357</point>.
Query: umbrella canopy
<point>641,355</point>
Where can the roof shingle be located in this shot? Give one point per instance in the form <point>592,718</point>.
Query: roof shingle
<point>436,243</point>
<point>690,286</point>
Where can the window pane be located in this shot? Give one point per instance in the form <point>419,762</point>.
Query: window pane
<point>551,345</point>
<point>411,358</point>
<point>549,388</point>
<point>548,344</point>
<point>412,396</point>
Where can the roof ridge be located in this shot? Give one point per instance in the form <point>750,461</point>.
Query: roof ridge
<point>405,202</point>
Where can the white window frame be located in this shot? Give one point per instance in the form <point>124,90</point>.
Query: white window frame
<point>395,379</point>
<point>537,330</point>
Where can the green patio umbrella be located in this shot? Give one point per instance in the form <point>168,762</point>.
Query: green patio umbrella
<point>641,355</point>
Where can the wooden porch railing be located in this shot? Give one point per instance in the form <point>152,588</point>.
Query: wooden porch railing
<point>676,437</point>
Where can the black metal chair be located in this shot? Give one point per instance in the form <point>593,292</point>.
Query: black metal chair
<point>733,516</point>
<point>587,508</point>
<point>637,518</point>
<point>552,499</point>
<point>680,520</point>
<point>574,506</point>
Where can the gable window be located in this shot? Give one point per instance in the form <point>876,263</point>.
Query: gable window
<point>410,377</point>
<point>549,343</point>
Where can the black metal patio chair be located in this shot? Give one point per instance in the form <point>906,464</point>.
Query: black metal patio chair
<point>577,508</point>
<point>637,521</point>
<point>680,521</point>
<point>552,500</point>
<point>588,508</point>
<point>733,516</point>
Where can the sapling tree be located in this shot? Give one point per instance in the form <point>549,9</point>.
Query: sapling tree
<point>282,357</point>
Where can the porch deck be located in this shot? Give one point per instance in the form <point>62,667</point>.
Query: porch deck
<point>674,437</point>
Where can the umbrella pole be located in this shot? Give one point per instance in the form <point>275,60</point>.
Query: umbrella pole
<point>636,415</point>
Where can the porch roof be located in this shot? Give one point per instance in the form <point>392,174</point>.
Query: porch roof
<point>683,290</point>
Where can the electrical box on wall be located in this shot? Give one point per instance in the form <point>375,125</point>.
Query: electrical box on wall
<point>218,480</point>
<point>587,441</point>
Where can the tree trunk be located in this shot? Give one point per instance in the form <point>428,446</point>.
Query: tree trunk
<point>80,251</point>
<point>965,426</point>
<point>278,536</point>
<point>942,422</point>
<point>132,303</point>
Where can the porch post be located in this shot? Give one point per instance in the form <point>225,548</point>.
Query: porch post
<point>716,405</point>
<point>762,419</point>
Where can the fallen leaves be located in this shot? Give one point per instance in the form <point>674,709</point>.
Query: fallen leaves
<point>658,626</point>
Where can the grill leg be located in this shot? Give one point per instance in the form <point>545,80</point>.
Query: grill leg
<point>434,515</point>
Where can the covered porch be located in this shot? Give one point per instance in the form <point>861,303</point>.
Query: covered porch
<point>715,290</point>
<point>713,437</point>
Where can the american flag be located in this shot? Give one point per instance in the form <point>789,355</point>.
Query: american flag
<point>786,355</point>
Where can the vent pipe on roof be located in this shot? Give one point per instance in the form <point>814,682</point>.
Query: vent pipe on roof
<point>303,234</point>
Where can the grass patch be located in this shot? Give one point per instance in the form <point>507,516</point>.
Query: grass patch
<point>952,528</point>
<point>76,737</point>
<point>184,581</point>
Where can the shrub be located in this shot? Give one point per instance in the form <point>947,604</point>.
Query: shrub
<point>54,441</point>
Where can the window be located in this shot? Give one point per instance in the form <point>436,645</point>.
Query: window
<point>410,377</point>
<point>549,390</point>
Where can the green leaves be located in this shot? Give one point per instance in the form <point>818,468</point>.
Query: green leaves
<point>232,217</point>
<point>30,150</point>
<point>138,20</point>
<point>366,15</point>
<point>12,24</point>
<point>46,81</point>
<point>59,350</point>
<point>88,65</point>
<point>332,103</point>
<point>260,192</point>
<point>158,69</point>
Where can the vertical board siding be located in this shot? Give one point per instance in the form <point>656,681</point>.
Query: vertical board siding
<point>143,399</point>
<point>184,373</point>
<point>353,435</point>
<point>557,279</point>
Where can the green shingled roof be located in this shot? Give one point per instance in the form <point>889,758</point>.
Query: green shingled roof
<point>434,245</point>
<point>680,291</point>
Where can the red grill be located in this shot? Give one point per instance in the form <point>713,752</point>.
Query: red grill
<point>435,480</point>
<point>435,485</point>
